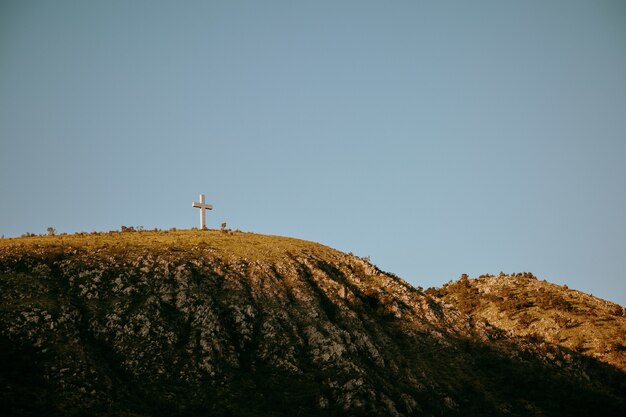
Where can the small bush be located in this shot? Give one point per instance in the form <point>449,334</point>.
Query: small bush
<point>525,319</point>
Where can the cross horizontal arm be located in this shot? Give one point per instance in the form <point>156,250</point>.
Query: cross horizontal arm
<point>202,206</point>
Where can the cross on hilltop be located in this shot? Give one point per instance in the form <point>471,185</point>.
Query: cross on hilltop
<point>202,206</point>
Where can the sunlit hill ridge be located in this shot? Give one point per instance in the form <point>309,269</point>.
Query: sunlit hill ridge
<point>223,323</point>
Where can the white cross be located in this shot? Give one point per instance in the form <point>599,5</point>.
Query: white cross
<point>202,206</point>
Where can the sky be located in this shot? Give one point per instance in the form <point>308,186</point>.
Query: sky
<point>436,137</point>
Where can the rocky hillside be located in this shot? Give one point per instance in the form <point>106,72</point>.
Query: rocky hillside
<point>525,306</point>
<point>195,323</point>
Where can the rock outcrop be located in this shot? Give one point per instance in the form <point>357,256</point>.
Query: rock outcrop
<point>524,306</point>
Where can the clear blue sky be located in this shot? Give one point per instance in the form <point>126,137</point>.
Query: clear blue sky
<point>436,137</point>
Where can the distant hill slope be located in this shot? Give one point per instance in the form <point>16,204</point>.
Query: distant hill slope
<point>525,306</point>
<point>195,323</point>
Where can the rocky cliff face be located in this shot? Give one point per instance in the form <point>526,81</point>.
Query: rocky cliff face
<point>210,323</point>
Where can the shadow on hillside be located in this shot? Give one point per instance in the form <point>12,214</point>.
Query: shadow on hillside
<point>428,371</point>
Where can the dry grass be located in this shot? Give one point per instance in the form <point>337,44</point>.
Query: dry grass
<point>251,246</point>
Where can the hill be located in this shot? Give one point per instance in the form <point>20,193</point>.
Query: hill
<point>193,323</point>
<point>525,306</point>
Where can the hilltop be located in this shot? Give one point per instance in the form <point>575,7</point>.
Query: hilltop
<point>192,323</point>
<point>526,306</point>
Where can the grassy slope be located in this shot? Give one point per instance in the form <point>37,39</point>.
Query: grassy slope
<point>239,244</point>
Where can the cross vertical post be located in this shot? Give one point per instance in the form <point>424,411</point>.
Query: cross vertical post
<point>202,206</point>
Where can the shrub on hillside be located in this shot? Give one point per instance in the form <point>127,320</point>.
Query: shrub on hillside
<point>547,300</point>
